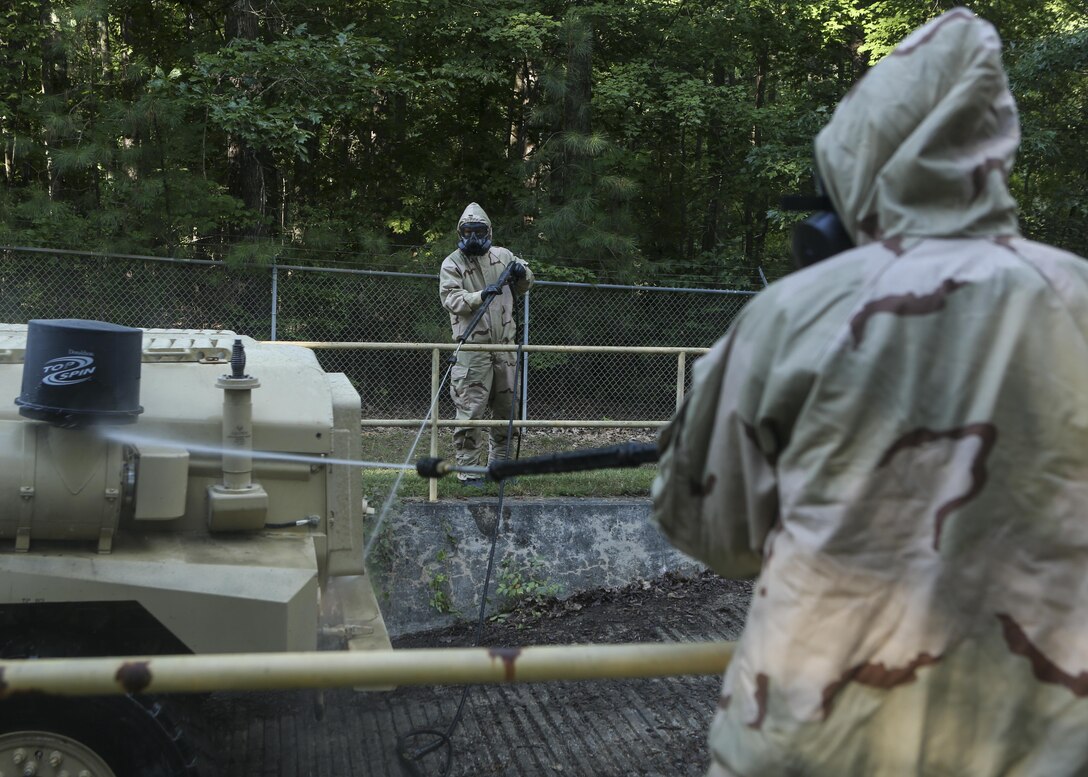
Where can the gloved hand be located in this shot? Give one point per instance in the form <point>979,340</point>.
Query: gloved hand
<point>517,272</point>
<point>490,291</point>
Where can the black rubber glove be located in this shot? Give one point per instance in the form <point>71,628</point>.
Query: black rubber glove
<point>491,290</point>
<point>517,272</point>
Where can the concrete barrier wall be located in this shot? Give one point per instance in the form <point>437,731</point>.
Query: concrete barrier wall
<point>429,563</point>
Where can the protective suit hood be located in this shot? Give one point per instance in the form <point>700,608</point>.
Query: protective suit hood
<point>924,143</point>
<point>473,213</point>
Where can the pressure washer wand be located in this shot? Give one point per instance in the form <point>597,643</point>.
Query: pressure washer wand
<point>502,281</point>
<point>629,454</point>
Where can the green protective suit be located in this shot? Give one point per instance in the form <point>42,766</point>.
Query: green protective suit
<point>481,380</point>
<point>895,441</point>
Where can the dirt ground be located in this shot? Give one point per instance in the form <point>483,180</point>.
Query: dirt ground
<point>633,613</point>
<point>628,728</point>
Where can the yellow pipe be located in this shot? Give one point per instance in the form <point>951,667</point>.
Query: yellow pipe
<point>535,424</point>
<point>367,346</point>
<point>681,369</point>
<point>363,669</point>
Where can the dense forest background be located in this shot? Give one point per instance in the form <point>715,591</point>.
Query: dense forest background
<point>636,140</point>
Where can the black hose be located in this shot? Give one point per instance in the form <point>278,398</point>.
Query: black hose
<point>409,757</point>
<point>630,454</point>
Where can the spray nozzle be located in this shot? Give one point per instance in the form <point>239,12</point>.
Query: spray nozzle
<point>432,467</point>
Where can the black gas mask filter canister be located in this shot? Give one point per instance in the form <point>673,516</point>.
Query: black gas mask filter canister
<point>821,235</point>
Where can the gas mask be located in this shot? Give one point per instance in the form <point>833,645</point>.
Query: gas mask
<point>474,238</point>
<point>821,235</point>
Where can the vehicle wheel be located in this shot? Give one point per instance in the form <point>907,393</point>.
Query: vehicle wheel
<point>45,753</point>
<point>116,736</point>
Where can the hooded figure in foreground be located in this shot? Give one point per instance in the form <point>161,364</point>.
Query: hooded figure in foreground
<point>481,380</point>
<point>895,440</point>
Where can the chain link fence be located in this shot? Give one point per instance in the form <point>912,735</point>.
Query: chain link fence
<point>294,303</point>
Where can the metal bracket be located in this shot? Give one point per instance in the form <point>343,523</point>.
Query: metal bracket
<point>105,540</point>
<point>26,489</point>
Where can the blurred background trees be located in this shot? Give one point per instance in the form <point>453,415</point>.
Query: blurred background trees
<point>642,140</point>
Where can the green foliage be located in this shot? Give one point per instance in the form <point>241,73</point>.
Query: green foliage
<point>250,253</point>
<point>275,94</point>
<point>523,587</point>
<point>1049,75</point>
<point>438,585</point>
<point>439,599</point>
<point>608,140</point>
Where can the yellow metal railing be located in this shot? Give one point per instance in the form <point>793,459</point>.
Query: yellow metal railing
<point>436,350</point>
<point>363,669</point>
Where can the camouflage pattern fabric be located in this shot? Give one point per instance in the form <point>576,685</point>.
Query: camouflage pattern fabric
<point>893,440</point>
<point>481,380</point>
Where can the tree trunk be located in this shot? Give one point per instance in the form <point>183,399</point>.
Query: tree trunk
<point>753,238</point>
<point>714,144</point>
<point>245,174</point>
<point>519,147</point>
<point>53,77</point>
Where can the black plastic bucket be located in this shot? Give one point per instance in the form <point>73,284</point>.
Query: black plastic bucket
<point>77,373</point>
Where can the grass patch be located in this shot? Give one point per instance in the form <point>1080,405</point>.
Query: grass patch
<point>393,445</point>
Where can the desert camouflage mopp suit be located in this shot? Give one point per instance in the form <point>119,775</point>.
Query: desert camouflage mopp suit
<point>481,380</point>
<point>896,441</point>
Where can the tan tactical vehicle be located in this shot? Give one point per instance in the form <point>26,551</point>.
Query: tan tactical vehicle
<point>165,491</point>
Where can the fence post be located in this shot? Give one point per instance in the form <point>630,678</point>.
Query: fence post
<point>432,493</point>
<point>681,365</point>
<point>275,297</point>
<point>525,366</point>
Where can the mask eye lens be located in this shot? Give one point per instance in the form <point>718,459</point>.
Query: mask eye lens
<point>479,230</point>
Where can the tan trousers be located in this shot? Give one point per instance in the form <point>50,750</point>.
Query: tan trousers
<point>481,381</point>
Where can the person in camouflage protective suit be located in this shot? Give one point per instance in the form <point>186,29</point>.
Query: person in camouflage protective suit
<point>895,440</point>
<point>481,380</point>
